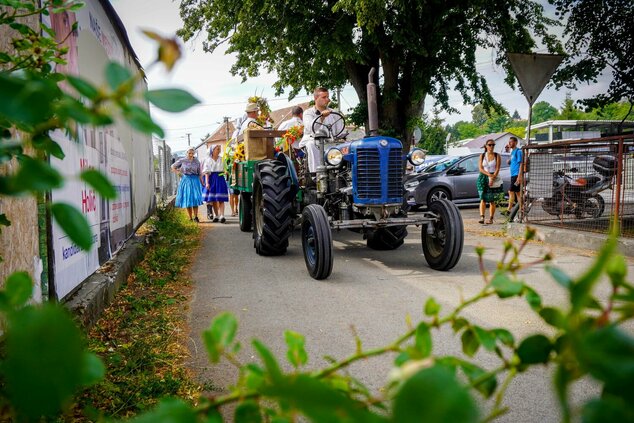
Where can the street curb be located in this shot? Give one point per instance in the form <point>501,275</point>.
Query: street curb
<point>100,288</point>
<point>570,238</point>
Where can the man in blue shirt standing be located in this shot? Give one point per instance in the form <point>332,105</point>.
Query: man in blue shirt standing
<point>516,174</point>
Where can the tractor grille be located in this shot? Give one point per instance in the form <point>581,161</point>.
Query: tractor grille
<point>395,166</point>
<point>372,180</point>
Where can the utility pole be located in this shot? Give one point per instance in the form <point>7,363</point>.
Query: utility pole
<point>189,144</point>
<point>339,99</point>
<point>226,120</point>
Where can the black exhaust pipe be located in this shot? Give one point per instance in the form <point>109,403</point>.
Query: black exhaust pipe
<point>373,118</point>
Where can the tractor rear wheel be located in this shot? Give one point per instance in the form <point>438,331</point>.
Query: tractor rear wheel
<point>389,238</point>
<point>272,207</point>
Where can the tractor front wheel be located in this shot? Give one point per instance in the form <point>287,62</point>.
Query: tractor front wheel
<point>443,241</point>
<point>317,241</point>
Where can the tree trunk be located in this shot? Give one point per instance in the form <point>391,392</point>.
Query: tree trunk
<point>396,107</point>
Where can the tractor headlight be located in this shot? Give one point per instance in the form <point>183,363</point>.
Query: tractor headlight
<point>416,156</point>
<point>334,156</point>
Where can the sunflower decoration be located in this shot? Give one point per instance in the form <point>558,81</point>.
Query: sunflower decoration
<point>264,118</point>
<point>292,134</point>
<point>228,155</point>
<point>240,156</point>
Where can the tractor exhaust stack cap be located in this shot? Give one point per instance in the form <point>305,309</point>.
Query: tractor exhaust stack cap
<point>373,118</point>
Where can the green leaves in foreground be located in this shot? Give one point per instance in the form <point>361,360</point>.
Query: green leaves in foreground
<point>170,410</point>
<point>219,336</point>
<point>27,100</point>
<point>35,176</point>
<point>434,395</point>
<point>17,290</point>
<point>140,119</point>
<point>506,287</point>
<point>171,100</point>
<point>117,75</point>
<point>45,362</point>
<point>99,182</point>
<point>317,401</point>
<point>535,349</point>
<point>73,223</point>
<point>296,353</point>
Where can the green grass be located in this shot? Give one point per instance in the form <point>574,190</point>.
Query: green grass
<point>141,337</point>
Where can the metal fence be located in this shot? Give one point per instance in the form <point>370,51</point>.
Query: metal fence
<point>164,179</point>
<point>581,185</point>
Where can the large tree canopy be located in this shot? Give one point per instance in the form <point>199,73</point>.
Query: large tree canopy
<point>599,38</point>
<point>422,47</point>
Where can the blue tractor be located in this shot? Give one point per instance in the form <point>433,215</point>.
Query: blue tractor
<point>359,187</point>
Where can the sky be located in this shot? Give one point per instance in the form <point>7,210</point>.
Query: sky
<point>208,77</point>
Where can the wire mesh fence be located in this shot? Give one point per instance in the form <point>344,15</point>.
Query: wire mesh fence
<point>164,179</point>
<point>581,185</point>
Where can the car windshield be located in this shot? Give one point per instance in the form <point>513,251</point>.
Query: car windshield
<point>441,165</point>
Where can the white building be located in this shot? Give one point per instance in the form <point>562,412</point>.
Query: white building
<point>560,130</point>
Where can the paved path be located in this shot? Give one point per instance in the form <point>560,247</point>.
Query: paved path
<point>371,290</point>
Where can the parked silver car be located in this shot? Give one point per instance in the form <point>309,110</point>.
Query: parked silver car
<point>453,178</point>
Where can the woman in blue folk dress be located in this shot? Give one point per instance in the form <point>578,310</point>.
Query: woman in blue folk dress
<point>214,184</point>
<point>189,194</point>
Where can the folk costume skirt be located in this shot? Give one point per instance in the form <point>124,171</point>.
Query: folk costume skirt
<point>217,188</point>
<point>486,193</point>
<point>189,192</point>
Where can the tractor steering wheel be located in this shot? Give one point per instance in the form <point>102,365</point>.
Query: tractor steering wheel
<point>335,127</point>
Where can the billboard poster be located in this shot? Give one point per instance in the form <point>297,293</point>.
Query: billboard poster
<point>73,264</point>
<point>118,171</point>
<point>117,151</point>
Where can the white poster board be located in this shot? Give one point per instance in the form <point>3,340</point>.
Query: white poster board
<point>120,153</point>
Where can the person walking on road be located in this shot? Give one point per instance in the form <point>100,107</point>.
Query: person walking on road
<point>516,175</point>
<point>189,194</point>
<point>489,182</point>
<point>214,184</point>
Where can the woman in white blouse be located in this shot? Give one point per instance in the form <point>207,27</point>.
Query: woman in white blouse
<point>214,184</point>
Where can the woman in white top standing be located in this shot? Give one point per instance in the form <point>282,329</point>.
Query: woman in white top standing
<point>489,183</point>
<point>214,184</point>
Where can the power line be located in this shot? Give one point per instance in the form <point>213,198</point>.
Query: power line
<point>234,103</point>
<point>209,125</point>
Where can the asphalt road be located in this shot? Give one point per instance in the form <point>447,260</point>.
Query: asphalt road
<point>374,292</point>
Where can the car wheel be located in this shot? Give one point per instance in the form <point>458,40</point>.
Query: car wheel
<point>438,194</point>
